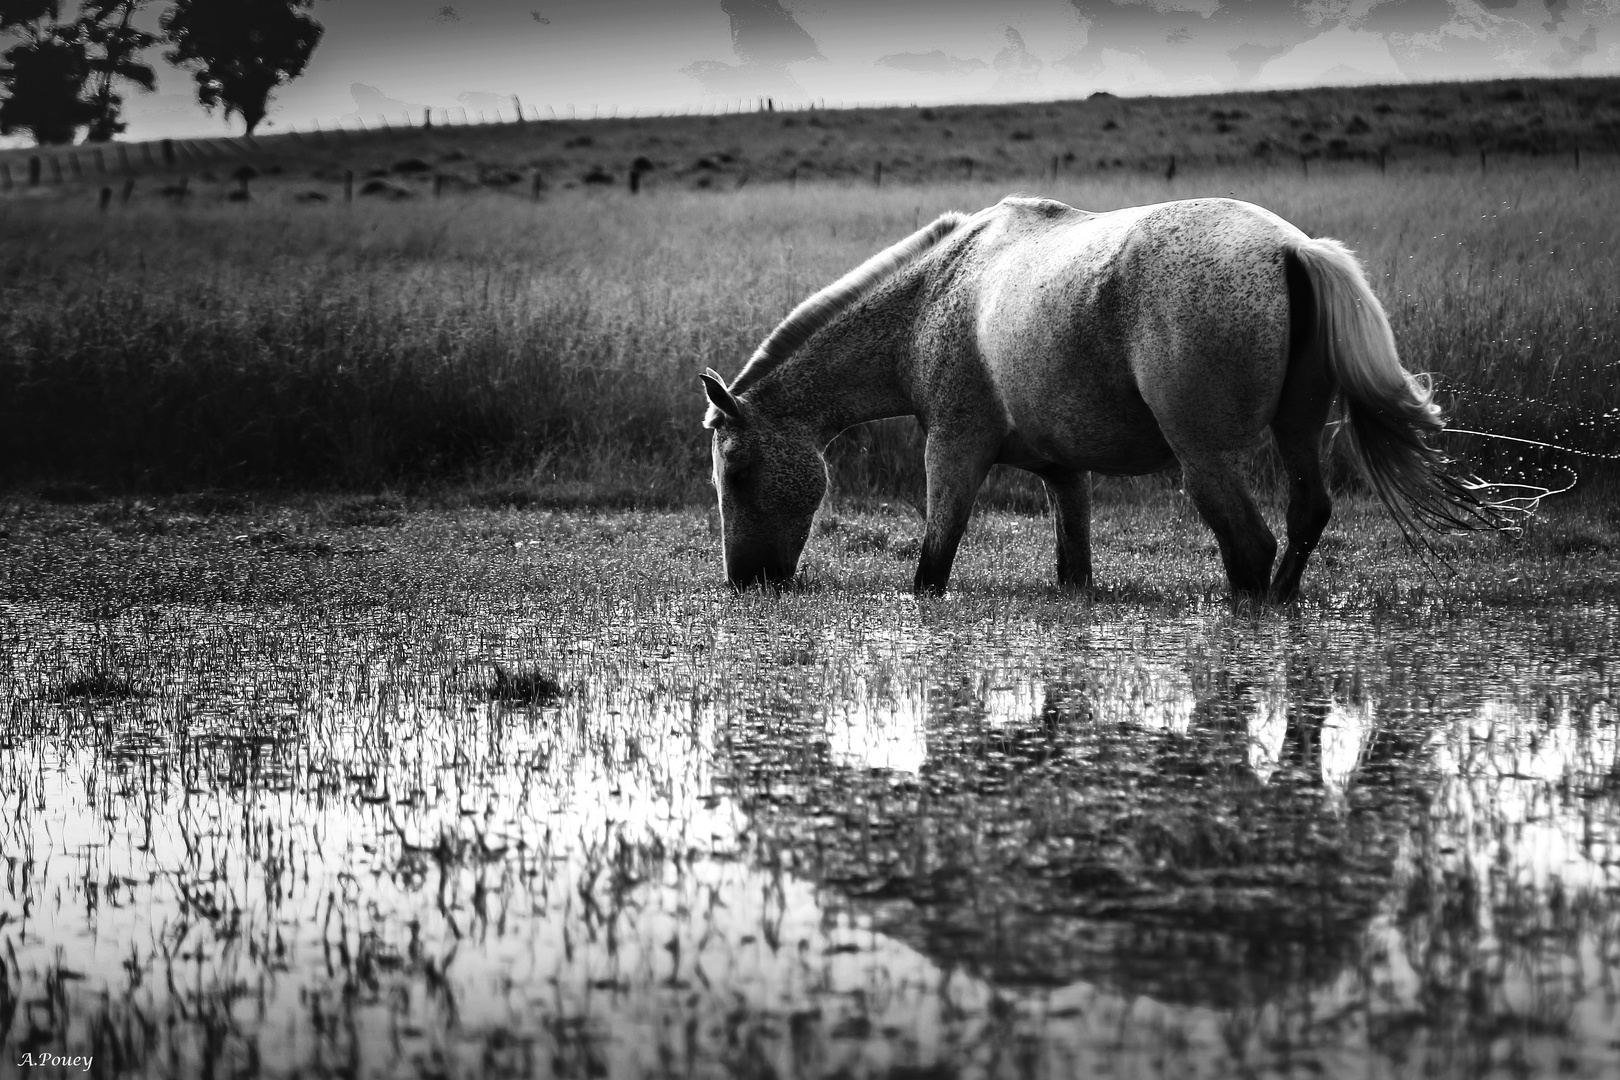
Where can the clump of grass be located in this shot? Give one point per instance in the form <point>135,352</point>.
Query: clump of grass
<point>97,682</point>
<point>372,511</point>
<point>525,686</point>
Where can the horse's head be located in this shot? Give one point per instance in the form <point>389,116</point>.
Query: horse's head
<point>770,476</point>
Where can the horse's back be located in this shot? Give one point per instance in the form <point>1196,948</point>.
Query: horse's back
<point>1111,337</point>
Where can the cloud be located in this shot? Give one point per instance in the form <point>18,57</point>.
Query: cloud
<point>1251,56</point>
<point>764,33</point>
<point>766,38</point>
<point>720,79</point>
<point>447,14</point>
<point>1287,42</point>
<point>482,101</point>
<point>931,63</point>
<point>1574,50</point>
<point>1020,70</point>
<point>1341,55</point>
<point>370,101</point>
<point>1188,39</point>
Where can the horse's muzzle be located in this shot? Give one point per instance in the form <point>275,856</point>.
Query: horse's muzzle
<point>746,571</point>
<point>771,573</point>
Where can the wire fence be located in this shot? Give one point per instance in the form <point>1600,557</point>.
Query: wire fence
<point>39,167</point>
<point>36,166</point>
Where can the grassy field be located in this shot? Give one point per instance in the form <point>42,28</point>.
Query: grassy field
<point>372,704</point>
<point>546,351</point>
<point>549,351</point>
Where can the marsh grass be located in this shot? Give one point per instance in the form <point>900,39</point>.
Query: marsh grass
<point>523,687</point>
<point>837,829</point>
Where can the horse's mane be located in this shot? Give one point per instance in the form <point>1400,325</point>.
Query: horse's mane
<point>820,309</point>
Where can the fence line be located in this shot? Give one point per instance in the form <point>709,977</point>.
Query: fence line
<point>183,153</point>
<point>433,117</point>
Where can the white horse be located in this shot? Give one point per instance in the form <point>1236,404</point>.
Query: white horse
<point>1065,342</point>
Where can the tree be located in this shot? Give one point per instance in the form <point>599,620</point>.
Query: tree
<point>60,77</point>
<point>27,16</point>
<point>241,49</point>
<point>113,43</point>
<point>43,76</point>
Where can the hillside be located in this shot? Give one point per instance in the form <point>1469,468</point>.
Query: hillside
<point>1292,129</point>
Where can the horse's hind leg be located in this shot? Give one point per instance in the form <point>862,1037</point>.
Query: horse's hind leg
<point>1309,504</point>
<point>1302,412</point>
<point>1215,484</point>
<point>1070,496</point>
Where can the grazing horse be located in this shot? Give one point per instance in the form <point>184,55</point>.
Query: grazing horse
<point>1065,343</point>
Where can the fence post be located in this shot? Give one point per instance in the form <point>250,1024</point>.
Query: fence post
<point>106,199</point>
<point>427,118</point>
<point>1482,161</point>
<point>56,169</point>
<point>517,107</point>
<point>146,154</point>
<point>438,185</point>
<point>1170,170</point>
<point>535,185</point>
<point>101,162</point>
<point>129,189</point>
<point>168,151</point>
<point>5,175</point>
<point>348,185</point>
<point>73,164</point>
<point>123,158</point>
<point>877,174</point>
<point>34,166</point>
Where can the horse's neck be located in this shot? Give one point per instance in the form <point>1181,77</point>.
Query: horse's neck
<point>854,369</point>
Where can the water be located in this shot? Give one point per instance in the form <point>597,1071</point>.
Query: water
<point>837,834</point>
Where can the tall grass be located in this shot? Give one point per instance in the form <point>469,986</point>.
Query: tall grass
<point>553,347</point>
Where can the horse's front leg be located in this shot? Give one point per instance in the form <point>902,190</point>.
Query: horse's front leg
<point>1070,496</point>
<point>956,468</point>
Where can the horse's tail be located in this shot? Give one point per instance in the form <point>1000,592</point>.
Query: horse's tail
<point>1392,413</point>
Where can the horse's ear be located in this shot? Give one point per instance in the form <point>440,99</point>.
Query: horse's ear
<point>719,396</point>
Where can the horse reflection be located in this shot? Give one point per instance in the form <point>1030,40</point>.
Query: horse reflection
<point>1140,824</point>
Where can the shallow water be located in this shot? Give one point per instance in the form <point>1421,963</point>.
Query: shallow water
<point>749,839</point>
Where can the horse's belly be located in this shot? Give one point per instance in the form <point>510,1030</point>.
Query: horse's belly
<point>1120,438</point>
<point>1075,406</point>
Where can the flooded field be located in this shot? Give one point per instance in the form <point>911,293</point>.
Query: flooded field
<point>358,790</point>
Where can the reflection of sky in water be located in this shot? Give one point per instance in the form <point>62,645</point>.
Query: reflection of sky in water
<point>350,835</point>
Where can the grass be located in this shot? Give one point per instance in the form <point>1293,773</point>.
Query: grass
<point>545,354</point>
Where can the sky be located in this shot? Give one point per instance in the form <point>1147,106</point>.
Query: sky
<point>392,57</point>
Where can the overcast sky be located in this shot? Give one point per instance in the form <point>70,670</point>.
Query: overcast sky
<point>393,56</point>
